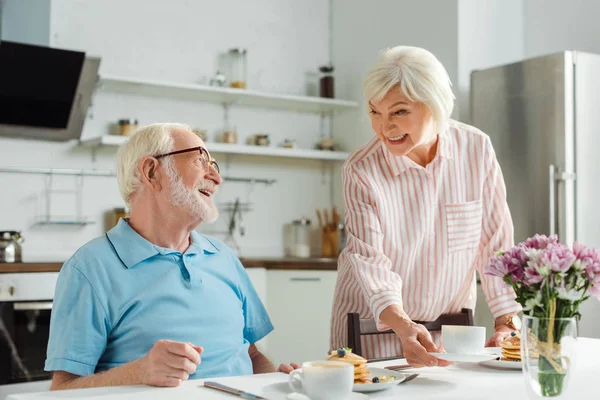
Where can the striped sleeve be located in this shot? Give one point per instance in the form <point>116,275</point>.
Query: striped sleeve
<point>497,234</point>
<point>365,257</point>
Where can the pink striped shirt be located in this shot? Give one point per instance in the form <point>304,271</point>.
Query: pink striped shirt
<point>417,235</point>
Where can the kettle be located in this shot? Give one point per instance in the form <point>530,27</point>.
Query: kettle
<point>10,246</point>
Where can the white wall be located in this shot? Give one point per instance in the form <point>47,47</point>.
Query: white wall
<point>180,41</point>
<point>557,25</point>
<point>490,33</point>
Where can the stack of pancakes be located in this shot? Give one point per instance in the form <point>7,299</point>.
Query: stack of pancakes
<point>361,372</point>
<point>511,348</point>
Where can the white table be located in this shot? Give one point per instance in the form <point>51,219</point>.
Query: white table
<point>464,381</point>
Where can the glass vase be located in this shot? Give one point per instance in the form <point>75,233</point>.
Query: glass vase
<point>548,355</point>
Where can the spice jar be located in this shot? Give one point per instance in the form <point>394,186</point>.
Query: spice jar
<point>301,235</point>
<point>326,81</point>
<point>237,68</point>
<point>127,126</point>
<point>230,136</point>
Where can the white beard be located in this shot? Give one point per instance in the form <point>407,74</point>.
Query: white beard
<point>191,200</point>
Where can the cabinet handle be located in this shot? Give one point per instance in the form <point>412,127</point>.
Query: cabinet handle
<point>34,305</point>
<point>305,279</point>
<point>552,200</point>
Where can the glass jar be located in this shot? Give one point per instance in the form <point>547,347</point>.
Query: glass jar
<point>237,68</point>
<point>326,81</point>
<point>301,238</point>
<point>230,136</point>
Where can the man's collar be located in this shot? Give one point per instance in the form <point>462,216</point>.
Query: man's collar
<point>204,243</point>
<point>132,248</point>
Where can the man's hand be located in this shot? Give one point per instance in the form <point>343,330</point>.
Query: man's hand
<point>502,332</point>
<point>169,363</point>
<point>287,368</point>
<point>416,342</point>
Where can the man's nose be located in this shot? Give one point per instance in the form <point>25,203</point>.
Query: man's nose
<point>214,175</point>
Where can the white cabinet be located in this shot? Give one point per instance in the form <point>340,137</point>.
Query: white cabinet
<point>258,277</point>
<point>299,303</point>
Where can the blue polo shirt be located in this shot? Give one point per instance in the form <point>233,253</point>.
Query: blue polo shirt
<point>119,294</point>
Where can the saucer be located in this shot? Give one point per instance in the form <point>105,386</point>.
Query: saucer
<point>379,372</point>
<point>300,396</point>
<point>496,363</point>
<point>488,353</point>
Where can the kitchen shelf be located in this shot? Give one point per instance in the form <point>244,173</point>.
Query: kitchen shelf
<point>53,220</point>
<point>221,95</point>
<point>224,148</point>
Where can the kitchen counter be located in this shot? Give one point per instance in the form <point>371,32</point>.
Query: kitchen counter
<point>319,264</point>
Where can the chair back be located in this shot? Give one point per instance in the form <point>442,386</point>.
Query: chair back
<point>358,327</point>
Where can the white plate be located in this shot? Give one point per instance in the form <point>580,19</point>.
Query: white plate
<point>495,363</point>
<point>488,353</point>
<point>379,372</point>
<point>353,396</point>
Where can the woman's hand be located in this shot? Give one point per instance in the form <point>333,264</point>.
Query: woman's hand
<point>416,339</point>
<point>503,332</point>
<point>416,342</point>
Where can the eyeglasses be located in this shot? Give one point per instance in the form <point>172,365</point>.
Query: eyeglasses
<point>204,155</point>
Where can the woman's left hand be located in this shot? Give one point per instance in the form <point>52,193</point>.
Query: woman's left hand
<point>502,332</point>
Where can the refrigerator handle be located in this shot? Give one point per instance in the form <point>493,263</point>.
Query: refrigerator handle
<point>552,199</point>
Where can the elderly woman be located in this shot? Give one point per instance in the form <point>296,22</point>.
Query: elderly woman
<point>425,208</point>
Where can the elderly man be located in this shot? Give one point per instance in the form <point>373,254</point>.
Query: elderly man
<point>152,301</point>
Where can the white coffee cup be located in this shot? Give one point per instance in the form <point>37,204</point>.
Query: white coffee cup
<point>460,339</point>
<point>323,380</point>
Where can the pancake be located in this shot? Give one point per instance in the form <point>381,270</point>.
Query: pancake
<point>511,348</point>
<point>361,370</point>
<point>350,358</point>
<point>363,375</point>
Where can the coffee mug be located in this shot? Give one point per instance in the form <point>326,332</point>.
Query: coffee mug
<point>323,380</point>
<point>460,339</point>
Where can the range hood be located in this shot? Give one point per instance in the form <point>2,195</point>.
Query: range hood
<point>44,92</point>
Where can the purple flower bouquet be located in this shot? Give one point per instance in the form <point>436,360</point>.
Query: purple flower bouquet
<point>550,281</point>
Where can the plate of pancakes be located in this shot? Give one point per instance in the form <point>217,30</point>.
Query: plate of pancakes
<point>367,379</point>
<point>510,357</point>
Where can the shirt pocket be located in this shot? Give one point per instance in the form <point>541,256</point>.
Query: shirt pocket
<point>463,224</point>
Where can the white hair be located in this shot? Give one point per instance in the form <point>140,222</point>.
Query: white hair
<point>420,76</point>
<point>149,140</point>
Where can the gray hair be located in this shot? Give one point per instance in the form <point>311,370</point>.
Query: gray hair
<point>146,141</point>
<point>420,76</point>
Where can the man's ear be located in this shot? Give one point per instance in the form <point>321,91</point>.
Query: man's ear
<point>149,173</point>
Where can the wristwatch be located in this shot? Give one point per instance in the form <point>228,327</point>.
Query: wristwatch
<point>511,320</point>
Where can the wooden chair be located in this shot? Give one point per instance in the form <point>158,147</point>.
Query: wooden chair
<point>358,327</point>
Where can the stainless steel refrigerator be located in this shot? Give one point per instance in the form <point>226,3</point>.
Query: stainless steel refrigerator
<point>543,117</point>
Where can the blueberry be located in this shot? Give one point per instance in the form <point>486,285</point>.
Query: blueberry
<point>513,333</point>
<point>376,380</point>
<point>341,352</point>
